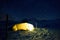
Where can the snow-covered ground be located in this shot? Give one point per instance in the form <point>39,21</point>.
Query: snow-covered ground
<point>37,34</point>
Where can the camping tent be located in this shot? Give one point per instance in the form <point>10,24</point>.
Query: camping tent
<point>23,26</point>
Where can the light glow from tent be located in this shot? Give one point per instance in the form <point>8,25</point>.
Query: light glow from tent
<point>23,26</point>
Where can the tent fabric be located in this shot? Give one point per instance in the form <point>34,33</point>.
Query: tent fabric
<point>23,26</point>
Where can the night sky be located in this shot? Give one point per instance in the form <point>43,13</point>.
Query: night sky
<point>40,9</point>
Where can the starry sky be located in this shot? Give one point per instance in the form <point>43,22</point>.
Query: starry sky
<point>40,9</point>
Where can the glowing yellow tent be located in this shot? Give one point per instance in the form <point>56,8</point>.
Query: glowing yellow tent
<point>23,26</point>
